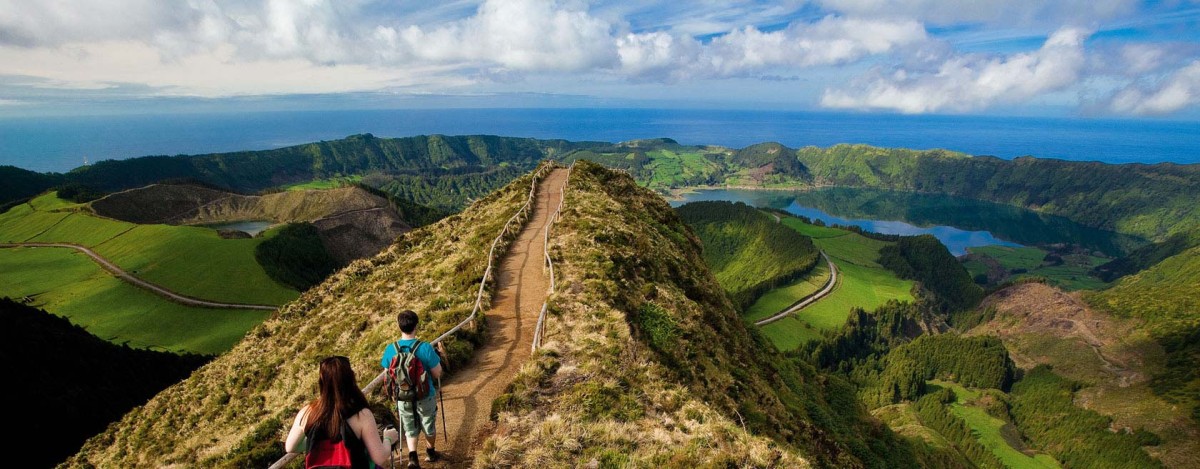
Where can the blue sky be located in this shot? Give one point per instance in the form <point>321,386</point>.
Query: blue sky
<point>1108,58</point>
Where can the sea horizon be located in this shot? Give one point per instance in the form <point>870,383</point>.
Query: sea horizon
<point>61,143</point>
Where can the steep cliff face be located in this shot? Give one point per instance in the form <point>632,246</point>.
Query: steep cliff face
<point>647,363</point>
<point>233,411</point>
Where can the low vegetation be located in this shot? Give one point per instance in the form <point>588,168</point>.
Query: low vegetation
<point>647,363</point>
<point>1166,298</point>
<point>1067,268</point>
<point>862,283</point>
<point>295,256</point>
<point>189,260</point>
<point>748,251</point>
<point>114,310</point>
<point>1042,407</point>
<point>781,298</point>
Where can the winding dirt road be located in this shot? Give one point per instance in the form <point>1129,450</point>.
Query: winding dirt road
<point>805,302</point>
<point>522,286</point>
<point>126,276</point>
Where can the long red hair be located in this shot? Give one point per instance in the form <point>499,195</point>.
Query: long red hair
<point>339,400</point>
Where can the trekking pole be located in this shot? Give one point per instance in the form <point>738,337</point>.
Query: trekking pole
<point>442,397</point>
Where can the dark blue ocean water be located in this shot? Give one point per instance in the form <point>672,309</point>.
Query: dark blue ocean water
<point>62,143</point>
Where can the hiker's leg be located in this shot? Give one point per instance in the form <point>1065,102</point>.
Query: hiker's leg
<point>427,412</point>
<point>411,423</point>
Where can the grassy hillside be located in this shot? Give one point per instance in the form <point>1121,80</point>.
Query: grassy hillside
<point>189,260</point>
<point>863,283</point>
<point>69,284</point>
<point>1167,298</point>
<point>646,362</point>
<point>748,251</point>
<point>237,406</point>
<point>1151,201</point>
<point>1114,361</point>
<point>104,381</point>
<point>781,298</point>
<point>993,265</point>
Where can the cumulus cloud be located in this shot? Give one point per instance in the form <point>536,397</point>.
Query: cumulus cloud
<point>519,34</point>
<point>830,41</point>
<point>970,82</point>
<point>1007,13</point>
<point>340,44</point>
<point>1178,90</point>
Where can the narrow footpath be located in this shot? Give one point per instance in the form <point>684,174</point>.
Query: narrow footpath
<point>522,286</point>
<point>805,302</point>
<point>137,282</point>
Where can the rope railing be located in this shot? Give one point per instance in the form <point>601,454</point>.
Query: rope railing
<point>510,227</point>
<point>541,322</point>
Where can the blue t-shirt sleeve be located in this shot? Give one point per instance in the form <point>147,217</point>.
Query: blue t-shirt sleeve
<point>388,353</point>
<point>428,356</point>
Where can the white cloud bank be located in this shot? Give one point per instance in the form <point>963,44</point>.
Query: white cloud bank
<point>1177,91</point>
<point>340,47</point>
<point>216,48</point>
<point>970,82</point>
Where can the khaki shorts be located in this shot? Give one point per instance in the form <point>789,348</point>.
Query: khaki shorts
<point>425,420</point>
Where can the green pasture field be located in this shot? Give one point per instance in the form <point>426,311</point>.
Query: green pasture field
<point>858,287</point>
<point>671,169</point>
<point>1072,275</point>
<point>862,283</point>
<point>22,222</point>
<point>70,284</point>
<point>987,430</point>
<point>197,262</point>
<point>321,184</point>
<point>778,299</point>
<point>812,231</point>
<point>192,261</point>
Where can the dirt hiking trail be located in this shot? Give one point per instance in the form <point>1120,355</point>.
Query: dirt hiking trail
<point>521,288</point>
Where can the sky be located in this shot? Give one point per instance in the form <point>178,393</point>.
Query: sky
<point>1090,58</point>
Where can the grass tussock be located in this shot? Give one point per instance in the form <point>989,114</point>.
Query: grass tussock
<point>233,411</point>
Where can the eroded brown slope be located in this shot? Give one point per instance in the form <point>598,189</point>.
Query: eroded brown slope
<point>352,222</point>
<point>1114,359</point>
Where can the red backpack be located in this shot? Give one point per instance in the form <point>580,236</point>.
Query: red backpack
<point>407,378</point>
<point>327,454</point>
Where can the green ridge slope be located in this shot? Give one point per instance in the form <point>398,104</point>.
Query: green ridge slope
<point>747,250</point>
<point>646,362</point>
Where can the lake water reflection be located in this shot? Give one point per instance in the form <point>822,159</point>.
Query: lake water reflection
<point>959,223</point>
<point>253,227</point>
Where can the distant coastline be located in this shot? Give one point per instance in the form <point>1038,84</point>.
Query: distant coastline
<point>59,144</point>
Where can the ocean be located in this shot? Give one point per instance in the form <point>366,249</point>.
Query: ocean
<point>62,143</point>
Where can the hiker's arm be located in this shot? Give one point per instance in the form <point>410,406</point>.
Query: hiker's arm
<point>292,445</point>
<point>436,372</point>
<point>380,451</point>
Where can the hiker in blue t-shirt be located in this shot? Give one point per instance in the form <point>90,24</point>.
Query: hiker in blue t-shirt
<point>421,416</point>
